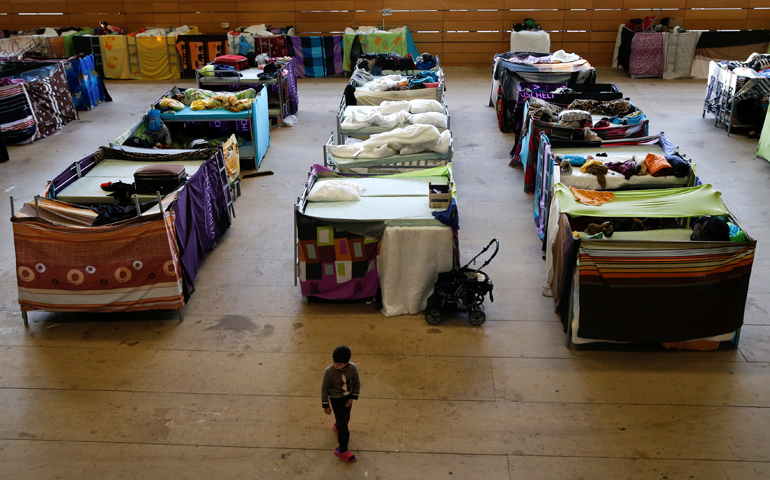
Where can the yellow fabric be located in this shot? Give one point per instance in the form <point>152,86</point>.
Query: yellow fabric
<point>594,161</point>
<point>592,197</point>
<point>154,57</point>
<point>115,57</point>
<point>232,161</point>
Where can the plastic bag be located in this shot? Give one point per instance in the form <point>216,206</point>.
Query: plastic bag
<point>290,121</point>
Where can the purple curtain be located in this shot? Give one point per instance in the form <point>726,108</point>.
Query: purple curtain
<point>202,218</point>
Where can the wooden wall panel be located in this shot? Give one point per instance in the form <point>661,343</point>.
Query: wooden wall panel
<point>461,31</point>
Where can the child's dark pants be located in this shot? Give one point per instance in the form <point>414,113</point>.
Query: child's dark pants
<point>342,415</point>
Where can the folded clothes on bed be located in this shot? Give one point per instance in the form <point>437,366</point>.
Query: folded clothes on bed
<point>402,141</point>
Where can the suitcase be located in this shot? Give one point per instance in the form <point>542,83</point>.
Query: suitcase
<point>163,178</point>
<point>238,61</point>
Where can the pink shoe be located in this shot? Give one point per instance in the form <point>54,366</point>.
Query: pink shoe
<point>346,456</point>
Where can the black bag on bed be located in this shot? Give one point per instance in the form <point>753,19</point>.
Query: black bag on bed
<point>163,178</point>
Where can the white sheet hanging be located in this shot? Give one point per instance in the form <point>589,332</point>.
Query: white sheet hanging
<point>409,263</point>
<point>526,41</point>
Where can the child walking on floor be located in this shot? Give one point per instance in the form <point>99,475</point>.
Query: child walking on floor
<point>341,384</point>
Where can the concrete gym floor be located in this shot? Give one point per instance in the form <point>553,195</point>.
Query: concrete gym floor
<point>233,391</point>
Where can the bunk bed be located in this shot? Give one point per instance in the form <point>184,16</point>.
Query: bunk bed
<point>694,291</point>
<point>389,238</point>
<point>130,257</point>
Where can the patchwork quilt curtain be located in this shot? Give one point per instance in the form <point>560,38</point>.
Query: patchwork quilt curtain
<point>335,264</point>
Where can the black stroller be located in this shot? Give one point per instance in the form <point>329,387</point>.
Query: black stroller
<point>465,288</point>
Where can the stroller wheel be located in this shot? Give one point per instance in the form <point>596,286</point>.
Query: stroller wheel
<point>477,317</point>
<point>433,315</point>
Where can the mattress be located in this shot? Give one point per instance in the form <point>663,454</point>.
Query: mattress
<point>366,96</point>
<point>87,190</point>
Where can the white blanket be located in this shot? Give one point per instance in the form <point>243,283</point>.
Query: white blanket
<point>408,265</point>
<point>388,82</point>
<point>359,119</point>
<point>402,141</point>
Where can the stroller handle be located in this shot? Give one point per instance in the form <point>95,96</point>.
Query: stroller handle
<point>489,260</point>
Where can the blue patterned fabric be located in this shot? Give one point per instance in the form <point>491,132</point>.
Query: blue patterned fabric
<point>85,86</point>
<point>318,56</point>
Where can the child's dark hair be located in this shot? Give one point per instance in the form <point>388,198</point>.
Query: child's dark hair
<point>341,354</point>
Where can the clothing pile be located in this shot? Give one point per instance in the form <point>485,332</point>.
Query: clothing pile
<point>200,99</point>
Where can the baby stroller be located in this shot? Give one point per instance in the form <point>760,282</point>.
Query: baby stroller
<point>465,288</point>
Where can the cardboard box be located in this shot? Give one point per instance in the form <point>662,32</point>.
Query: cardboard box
<point>439,195</point>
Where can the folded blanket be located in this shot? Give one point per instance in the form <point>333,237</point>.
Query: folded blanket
<point>402,141</point>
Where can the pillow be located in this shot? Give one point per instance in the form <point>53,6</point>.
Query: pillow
<point>438,120</point>
<point>335,191</point>
<point>425,106</point>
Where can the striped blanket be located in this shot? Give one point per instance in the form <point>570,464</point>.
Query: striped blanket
<point>318,56</point>
<point>688,290</point>
<point>16,121</point>
<point>129,266</point>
